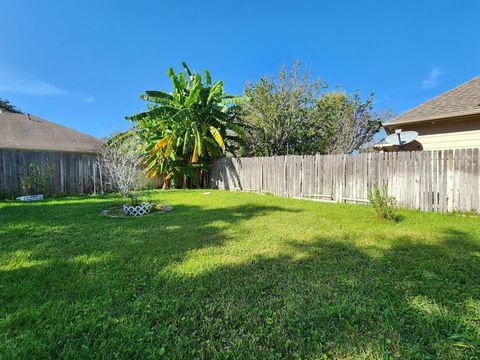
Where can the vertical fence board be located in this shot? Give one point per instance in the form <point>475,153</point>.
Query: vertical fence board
<point>475,181</point>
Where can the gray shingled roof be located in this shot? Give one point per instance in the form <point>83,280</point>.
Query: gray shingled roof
<point>28,132</point>
<point>460,101</point>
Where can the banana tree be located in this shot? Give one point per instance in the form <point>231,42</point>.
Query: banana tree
<point>183,130</point>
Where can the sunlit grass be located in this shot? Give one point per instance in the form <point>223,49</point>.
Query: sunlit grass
<point>231,275</point>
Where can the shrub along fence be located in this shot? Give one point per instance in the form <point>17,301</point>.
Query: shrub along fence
<point>443,181</point>
<point>72,173</point>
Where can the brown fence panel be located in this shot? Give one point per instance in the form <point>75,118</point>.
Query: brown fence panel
<point>72,173</point>
<point>443,180</point>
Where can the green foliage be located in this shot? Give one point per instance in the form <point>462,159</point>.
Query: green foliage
<point>183,130</point>
<point>235,276</point>
<point>465,213</point>
<point>293,114</point>
<point>5,105</point>
<point>36,181</point>
<point>138,197</point>
<point>382,203</point>
<point>134,199</point>
<point>341,123</point>
<point>276,111</point>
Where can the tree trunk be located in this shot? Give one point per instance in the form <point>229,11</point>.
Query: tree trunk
<point>166,183</point>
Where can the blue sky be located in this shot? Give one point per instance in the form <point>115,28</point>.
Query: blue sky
<point>83,63</point>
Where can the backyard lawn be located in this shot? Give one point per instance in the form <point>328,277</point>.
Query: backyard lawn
<point>235,275</point>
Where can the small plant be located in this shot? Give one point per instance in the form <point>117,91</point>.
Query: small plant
<point>37,181</point>
<point>382,203</point>
<point>134,199</point>
<point>465,213</point>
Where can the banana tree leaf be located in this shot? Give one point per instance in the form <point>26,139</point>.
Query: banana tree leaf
<point>194,91</point>
<point>158,97</point>
<point>158,112</point>
<point>160,144</point>
<point>168,150</point>
<point>151,162</point>
<point>182,81</point>
<point>180,115</point>
<point>197,136</point>
<point>212,148</point>
<point>187,69</point>
<point>177,87</point>
<point>216,89</point>
<point>185,143</point>
<point>208,78</point>
<point>195,153</point>
<point>218,137</point>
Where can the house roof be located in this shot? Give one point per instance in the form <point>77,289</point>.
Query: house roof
<point>29,132</point>
<point>464,100</point>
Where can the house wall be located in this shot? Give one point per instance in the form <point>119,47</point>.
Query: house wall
<point>440,135</point>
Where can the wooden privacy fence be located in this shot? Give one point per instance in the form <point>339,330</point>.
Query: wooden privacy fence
<point>72,173</point>
<point>443,180</point>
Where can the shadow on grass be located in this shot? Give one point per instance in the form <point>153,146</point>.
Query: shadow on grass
<point>332,298</point>
<point>36,227</point>
<point>78,292</point>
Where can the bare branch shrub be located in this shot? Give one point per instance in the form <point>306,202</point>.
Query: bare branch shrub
<point>120,160</point>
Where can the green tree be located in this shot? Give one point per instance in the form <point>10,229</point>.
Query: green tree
<point>277,110</point>
<point>183,130</point>
<point>5,105</point>
<point>341,123</point>
<point>294,114</point>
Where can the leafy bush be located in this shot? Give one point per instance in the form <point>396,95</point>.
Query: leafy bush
<point>34,180</point>
<point>382,203</point>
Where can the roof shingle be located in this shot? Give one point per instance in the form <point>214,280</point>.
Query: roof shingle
<point>28,132</point>
<point>462,100</point>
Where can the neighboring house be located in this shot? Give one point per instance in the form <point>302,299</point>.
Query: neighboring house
<point>26,139</point>
<point>448,121</point>
<point>29,132</point>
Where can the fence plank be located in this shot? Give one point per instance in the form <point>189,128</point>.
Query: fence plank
<point>474,180</point>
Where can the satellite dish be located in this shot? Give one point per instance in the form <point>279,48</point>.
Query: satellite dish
<point>401,138</point>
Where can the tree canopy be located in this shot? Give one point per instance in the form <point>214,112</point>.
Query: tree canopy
<point>293,114</point>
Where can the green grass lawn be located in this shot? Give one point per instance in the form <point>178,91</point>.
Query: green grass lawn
<point>231,275</point>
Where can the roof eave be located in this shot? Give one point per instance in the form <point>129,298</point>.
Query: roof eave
<point>40,149</point>
<point>463,115</point>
